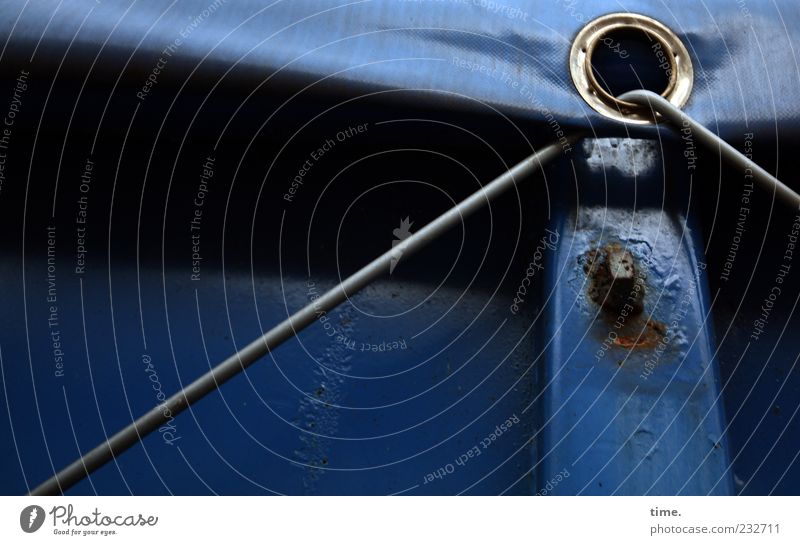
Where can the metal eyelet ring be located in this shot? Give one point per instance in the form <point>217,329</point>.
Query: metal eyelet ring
<point>680,70</point>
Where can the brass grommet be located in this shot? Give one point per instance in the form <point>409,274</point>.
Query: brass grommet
<point>675,55</point>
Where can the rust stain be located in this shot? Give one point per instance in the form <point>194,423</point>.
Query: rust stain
<point>617,284</point>
<point>647,337</point>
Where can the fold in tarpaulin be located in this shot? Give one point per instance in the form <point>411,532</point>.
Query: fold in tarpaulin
<point>509,54</point>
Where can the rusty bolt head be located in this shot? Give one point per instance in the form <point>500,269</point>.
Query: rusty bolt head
<point>614,281</point>
<point>620,265</point>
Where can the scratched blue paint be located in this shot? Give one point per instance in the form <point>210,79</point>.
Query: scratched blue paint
<point>643,420</point>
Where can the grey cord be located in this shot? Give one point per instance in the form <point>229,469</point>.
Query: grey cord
<point>679,119</point>
<point>236,363</point>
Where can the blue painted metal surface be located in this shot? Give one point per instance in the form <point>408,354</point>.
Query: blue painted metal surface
<point>631,402</point>
<point>381,396</point>
<point>315,418</point>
